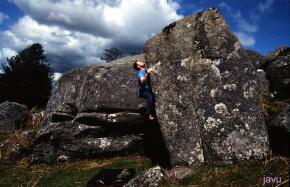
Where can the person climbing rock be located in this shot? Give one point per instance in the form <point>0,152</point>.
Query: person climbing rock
<point>144,87</point>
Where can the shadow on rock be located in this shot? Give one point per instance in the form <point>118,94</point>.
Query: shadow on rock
<point>279,140</point>
<point>154,145</point>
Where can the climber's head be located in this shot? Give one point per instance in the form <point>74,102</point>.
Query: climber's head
<point>138,64</point>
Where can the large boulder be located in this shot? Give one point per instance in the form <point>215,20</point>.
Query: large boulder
<point>12,116</point>
<point>93,111</point>
<point>207,92</point>
<point>108,87</point>
<point>277,68</point>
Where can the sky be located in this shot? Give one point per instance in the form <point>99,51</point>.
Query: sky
<point>76,32</point>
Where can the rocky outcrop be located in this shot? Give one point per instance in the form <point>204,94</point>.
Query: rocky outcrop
<point>12,116</point>
<point>207,92</point>
<point>93,111</point>
<point>207,100</point>
<point>151,177</point>
<point>277,68</point>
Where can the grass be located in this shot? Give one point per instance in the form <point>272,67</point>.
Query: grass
<point>46,176</point>
<point>76,173</point>
<point>244,173</point>
<point>35,119</point>
<point>15,146</point>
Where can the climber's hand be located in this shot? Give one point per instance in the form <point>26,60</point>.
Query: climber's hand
<point>150,70</point>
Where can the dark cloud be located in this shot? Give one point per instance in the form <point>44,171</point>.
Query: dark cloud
<point>76,32</point>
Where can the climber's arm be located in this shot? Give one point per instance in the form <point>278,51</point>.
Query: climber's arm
<point>143,76</point>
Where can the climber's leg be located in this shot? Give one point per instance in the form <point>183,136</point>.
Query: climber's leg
<point>150,103</point>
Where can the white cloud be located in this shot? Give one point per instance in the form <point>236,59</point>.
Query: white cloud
<point>7,53</point>
<point>225,6</point>
<point>3,17</point>
<point>101,17</point>
<point>261,9</point>
<point>75,32</point>
<point>245,29</point>
<point>265,5</point>
<point>245,39</point>
<point>64,48</point>
<point>243,24</point>
<point>130,20</point>
<point>4,54</point>
<point>57,76</point>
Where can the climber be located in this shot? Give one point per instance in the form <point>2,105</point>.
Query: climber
<point>144,87</point>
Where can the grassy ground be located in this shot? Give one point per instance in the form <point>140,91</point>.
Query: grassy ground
<point>245,173</point>
<point>78,173</point>
<point>15,172</point>
<point>66,174</point>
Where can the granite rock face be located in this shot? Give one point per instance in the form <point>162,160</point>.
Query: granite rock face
<point>207,92</point>
<point>12,116</point>
<point>93,111</point>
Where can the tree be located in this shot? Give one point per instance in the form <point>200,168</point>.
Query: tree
<point>27,77</point>
<point>111,54</point>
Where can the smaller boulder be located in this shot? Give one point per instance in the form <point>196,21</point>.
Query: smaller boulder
<point>152,177</point>
<point>277,69</point>
<point>12,116</point>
